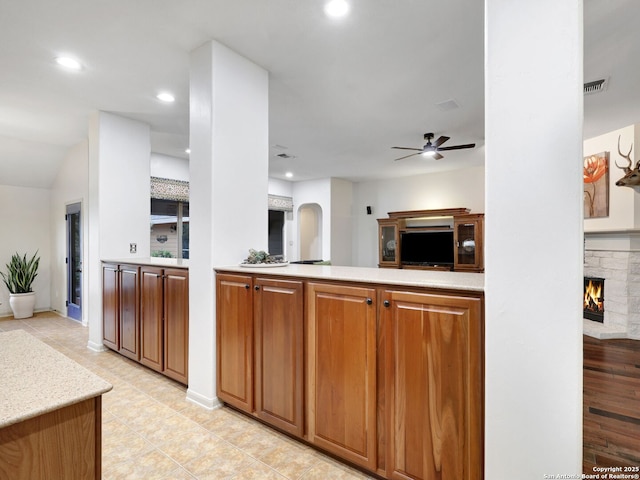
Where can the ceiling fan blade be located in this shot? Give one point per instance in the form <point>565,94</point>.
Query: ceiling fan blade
<point>407,156</point>
<point>437,156</point>
<point>407,148</point>
<point>458,147</point>
<point>440,141</point>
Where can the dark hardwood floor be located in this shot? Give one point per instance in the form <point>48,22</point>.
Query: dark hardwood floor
<point>611,401</point>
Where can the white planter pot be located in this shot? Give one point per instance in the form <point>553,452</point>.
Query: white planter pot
<point>22,304</point>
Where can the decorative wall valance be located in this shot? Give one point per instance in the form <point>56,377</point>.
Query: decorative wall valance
<point>278,202</point>
<point>169,189</point>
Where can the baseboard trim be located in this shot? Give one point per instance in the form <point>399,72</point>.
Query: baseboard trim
<point>96,347</point>
<point>203,401</point>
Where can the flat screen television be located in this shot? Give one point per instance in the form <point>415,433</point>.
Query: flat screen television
<point>427,248</point>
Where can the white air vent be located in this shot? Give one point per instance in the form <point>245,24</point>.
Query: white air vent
<point>596,86</point>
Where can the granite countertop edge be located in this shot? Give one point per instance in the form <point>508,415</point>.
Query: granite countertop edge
<point>36,379</point>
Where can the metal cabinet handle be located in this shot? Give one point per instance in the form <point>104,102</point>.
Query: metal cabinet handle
<point>256,288</point>
<point>369,301</point>
<point>386,303</point>
<point>246,286</point>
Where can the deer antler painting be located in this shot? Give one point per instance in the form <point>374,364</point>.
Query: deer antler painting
<point>631,177</point>
<point>596,185</point>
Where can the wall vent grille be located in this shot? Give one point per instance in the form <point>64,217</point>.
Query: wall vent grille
<point>596,86</point>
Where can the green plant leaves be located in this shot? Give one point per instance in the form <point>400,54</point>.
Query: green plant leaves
<point>21,273</point>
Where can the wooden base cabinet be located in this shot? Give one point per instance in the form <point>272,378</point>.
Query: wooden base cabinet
<point>434,386</point>
<point>279,361</point>
<point>176,324</point>
<point>151,318</point>
<point>145,316</point>
<point>341,371</point>
<point>393,377</point>
<point>260,348</point>
<point>120,309</point>
<point>234,340</point>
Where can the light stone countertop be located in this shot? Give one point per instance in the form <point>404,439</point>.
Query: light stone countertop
<point>151,261</point>
<point>466,281</point>
<point>37,379</point>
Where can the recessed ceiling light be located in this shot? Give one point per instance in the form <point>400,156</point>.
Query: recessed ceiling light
<point>288,175</point>
<point>336,8</point>
<point>166,97</point>
<point>68,62</point>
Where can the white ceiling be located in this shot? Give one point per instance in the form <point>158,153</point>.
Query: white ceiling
<point>342,92</point>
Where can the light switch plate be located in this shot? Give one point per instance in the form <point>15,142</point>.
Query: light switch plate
<point>133,247</point>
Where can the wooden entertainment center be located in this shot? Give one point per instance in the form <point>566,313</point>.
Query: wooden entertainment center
<point>463,230</point>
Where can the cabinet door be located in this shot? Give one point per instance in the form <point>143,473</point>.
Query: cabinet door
<point>129,312</point>
<point>234,340</point>
<point>176,324</point>
<point>434,386</point>
<point>388,243</point>
<point>341,372</point>
<point>468,240</point>
<point>151,312</point>
<point>278,353</point>
<point>110,314</point>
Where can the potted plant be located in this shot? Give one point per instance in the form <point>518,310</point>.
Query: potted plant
<point>19,279</point>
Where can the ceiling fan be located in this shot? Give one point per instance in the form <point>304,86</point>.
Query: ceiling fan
<point>432,149</point>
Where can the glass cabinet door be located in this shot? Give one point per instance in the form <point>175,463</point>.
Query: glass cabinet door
<point>388,246</point>
<point>468,243</point>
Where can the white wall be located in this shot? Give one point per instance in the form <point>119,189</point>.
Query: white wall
<point>452,189</point>
<point>165,166</point>
<point>70,186</point>
<point>533,237</point>
<point>119,206</point>
<point>26,228</point>
<point>341,222</point>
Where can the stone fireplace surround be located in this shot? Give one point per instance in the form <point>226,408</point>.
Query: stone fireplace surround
<point>615,256</point>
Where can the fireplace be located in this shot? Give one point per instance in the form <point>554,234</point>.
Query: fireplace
<point>594,299</point>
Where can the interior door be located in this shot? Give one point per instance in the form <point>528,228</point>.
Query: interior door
<point>74,261</point>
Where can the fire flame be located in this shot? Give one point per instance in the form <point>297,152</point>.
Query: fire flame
<point>593,297</point>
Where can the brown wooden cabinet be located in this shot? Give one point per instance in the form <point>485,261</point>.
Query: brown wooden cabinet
<point>260,348</point>
<point>279,361</point>
<point>151,318</point>
<point>120,309</point>
<point>110,306</point>
<point>129,312</point>
<point>434,385</point>
<point>393,376</point>
<point>341,371</point>
<point>234,340</point>
<point>145,316</point>
<point>468,239</point>
<point>176,324</point>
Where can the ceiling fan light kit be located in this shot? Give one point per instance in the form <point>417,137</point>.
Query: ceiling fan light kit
<point>433,149</point>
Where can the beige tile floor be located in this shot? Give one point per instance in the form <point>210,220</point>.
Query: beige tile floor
<point>151,432</point>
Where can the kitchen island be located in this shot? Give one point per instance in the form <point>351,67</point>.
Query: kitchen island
<point>381,368</point>
<point>50,412</point>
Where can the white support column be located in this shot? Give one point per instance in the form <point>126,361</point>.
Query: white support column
<point>228,172</point>
<point>533,245</point>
